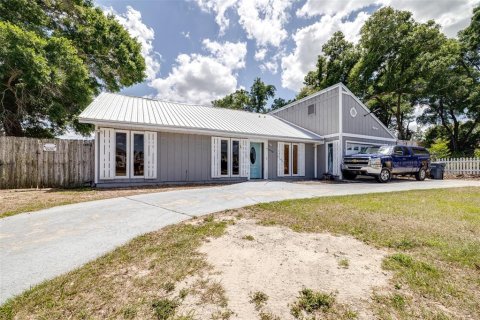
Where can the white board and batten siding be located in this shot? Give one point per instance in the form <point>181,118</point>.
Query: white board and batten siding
<point>461,165</point>
<point>281,159</point>
<point>107,153</point>
<point>337,158</point>
<point>301,159</point>
<point>150,155</point>
<point>244,150</point>
<point>244,158</point>
<point>107,159</point>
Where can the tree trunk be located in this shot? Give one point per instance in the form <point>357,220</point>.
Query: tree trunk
<point>10,118</point>
<point>398,117</point>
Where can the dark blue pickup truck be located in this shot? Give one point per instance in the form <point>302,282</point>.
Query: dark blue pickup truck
<point>385,161</point>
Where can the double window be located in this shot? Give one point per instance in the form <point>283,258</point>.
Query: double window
<point>228,157</point>
<point>291,159</point>
<point>129,154</point>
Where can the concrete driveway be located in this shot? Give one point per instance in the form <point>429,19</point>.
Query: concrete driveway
<point>39,246</point>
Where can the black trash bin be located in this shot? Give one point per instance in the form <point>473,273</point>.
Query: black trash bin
<point>436,170</point>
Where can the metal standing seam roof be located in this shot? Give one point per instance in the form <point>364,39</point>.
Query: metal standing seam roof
<point>121,109</point>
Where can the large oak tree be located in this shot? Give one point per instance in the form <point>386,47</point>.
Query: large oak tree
<point>54,57</point>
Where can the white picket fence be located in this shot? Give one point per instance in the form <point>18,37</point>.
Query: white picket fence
<point>461,165</point>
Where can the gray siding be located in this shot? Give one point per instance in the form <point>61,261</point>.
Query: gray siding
<point>325,119</point>
<point>272,162</point>
<point>181,158</point>
<point>365,125</point>
<point>186,158</point>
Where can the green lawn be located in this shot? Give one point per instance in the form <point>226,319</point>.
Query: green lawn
<point>432,236</point>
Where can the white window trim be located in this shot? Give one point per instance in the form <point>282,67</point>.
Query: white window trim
<point>132,155</point>
<point>127,164</point>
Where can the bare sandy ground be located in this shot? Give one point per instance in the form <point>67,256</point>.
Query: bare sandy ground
<point>280,262</point>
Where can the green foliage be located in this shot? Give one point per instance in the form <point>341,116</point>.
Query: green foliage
<point>55,56</point>
<point>254,100</point>
<point>476,154</point>
<point>259,299</point>
<point>164,309</point>
<point>310,301</point>
<point>333,65</point>
<point>440,149</point>
<point>280,103</point>
<point>387,74</point>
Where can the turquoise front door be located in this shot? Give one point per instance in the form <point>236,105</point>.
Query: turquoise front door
<point>256,160</point>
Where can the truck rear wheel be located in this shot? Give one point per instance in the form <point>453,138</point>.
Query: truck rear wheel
<point>349,175</point>
<point>384,176</point>
<point>421,174</point>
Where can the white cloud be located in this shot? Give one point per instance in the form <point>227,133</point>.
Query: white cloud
<point>186,34</point>
<point>308,44</point>
<point>132,21</point>
<point>231,55</point>
<point>198,78</point>
<point>260,54</point>
<point>452,15</point>
<point>262,20</point>
<point>219,7</point>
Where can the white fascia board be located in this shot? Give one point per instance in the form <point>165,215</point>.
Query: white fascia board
<point>155,127</point>
<point>353,135</point>
<point>306,98</point>
<point>366,109</point>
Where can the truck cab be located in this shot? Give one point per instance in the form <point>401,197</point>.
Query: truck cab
<point>383,162</point>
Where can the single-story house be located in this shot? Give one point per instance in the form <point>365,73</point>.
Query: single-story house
<point>147,141</point>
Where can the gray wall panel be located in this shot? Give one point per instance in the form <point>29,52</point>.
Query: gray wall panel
<point>324,121</point>
<point>183,158</point>
<point>360,124</point>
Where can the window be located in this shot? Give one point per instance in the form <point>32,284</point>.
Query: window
<point>224,157</point>
<point>311,109</point>
<point>138,154</point>
<point>121,154</point>
<point>398,151</point>
<point>286,160</point>
<point>235,157</point>
<point>420,151</point>
<point>295,159</point>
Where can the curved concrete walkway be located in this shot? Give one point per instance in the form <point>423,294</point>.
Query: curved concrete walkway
<point>39,246</point>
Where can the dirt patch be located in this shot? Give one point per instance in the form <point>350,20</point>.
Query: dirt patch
<point>279,262</point>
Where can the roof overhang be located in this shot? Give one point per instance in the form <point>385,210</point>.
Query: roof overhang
<point>199,131</point>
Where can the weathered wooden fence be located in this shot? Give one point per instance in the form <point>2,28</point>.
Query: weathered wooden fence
<point>40,163</point>
<point>461,165</point>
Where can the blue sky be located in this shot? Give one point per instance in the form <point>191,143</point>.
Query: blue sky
<point>200,50</point>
